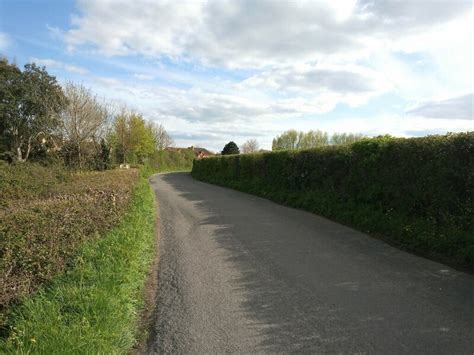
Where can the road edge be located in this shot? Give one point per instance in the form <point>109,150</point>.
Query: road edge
<point>150,291</point>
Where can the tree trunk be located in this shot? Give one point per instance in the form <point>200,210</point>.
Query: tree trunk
<point>79,154</point>
<point>19,155</point>
<point>28,149</point>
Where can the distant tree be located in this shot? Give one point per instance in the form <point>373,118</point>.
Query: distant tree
<point>346,138</point>
<point>288,140</point>
<point>291,139</point>
<point>119,138</point>
<point>103,156</point>
<point>161,138</point>
<point>250,146</point>
<point>30,103</point>
<point>83,120</point>
<point>312,139</point>
<point>132,139</point>
<point>142,143</point>
<point>230,148</point>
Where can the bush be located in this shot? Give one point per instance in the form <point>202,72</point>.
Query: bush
<point>417,193</point>
<point>230,148</point>
<point>94,307</point>
<point>29,181</point>
<point>46,215</point>
<point>172,160</point>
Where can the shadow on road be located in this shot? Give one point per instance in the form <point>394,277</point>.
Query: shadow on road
<point>327,287</point>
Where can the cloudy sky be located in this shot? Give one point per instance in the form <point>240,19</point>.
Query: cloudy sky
<point>216,70</point>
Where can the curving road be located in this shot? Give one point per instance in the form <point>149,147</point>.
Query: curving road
<point>240,274</point>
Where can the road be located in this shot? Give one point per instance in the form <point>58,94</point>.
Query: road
<point>240,274</point>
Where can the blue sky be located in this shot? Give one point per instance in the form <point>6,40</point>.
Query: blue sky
<point>219,70</point>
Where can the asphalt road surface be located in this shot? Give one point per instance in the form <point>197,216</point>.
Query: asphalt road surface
<point>240,274</point>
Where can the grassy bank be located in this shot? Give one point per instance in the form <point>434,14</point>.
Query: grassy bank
<point>415,193</point>
<point>93,307</point>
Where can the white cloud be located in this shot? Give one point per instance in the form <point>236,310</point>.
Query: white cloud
<point>54,64</point>
<point>196,117</point>
<point>305,58</point>
<point>460,107</point>
<point>143,77</point>
<point>249,33</point>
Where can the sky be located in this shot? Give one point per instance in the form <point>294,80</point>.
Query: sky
<point>212,71</point>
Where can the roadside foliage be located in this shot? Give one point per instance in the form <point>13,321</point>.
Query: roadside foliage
<point>173,160</point>
<point>94,306</point>
<point>46,214</point>
<point>416,193</point>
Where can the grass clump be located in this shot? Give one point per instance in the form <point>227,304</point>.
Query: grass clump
<point>93,307</point>
<point>416,193</point>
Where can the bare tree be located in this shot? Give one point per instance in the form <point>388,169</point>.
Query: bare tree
<point>250,146</point>
<point>84,119</point>
<point>161,137</point>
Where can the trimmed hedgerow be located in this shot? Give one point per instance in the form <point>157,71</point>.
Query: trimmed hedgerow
<point>92,308</point>
<point>45,216</point>
<point>417,193</point>
<point>28,181</point>
<point>172,160</point>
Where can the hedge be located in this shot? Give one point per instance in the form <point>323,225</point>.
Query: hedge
<point>172,160</point>
<point>416,193</point>
<point>46,215</point>
<point>94,306</point>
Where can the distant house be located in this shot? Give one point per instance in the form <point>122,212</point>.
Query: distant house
<point>201,152</point>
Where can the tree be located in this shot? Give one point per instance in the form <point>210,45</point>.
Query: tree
<point>161,138</point>
<point>291,139</point>
<point>133,139</point>
<point>30,103</point>
<point>142,143</point>
<point>230,148</point>
<point>346,138</point>
<point>313,139</point>
<point>119,139</point>
<point>83,120</point>
<point>103,156</point>
<point>250,146</point>
<point>288,140</point>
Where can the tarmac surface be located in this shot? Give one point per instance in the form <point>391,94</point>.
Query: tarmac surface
<point>241,274</point>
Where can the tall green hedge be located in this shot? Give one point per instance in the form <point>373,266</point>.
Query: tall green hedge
<point>417,193</point>
<point>172,160</point>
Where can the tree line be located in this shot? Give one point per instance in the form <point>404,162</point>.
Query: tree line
<point>294,140</point>
<point>40,120</point>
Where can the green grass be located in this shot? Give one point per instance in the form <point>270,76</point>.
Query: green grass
<point>94,307</point>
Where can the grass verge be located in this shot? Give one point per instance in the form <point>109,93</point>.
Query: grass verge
<point>94,307</point>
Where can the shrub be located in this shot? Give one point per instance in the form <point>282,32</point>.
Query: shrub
<point>172,160</point>
<point>46,216</point>
<point>29,181</point>
<point>94,307</point>
<point>230,148</point>
<point>417,193</point>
